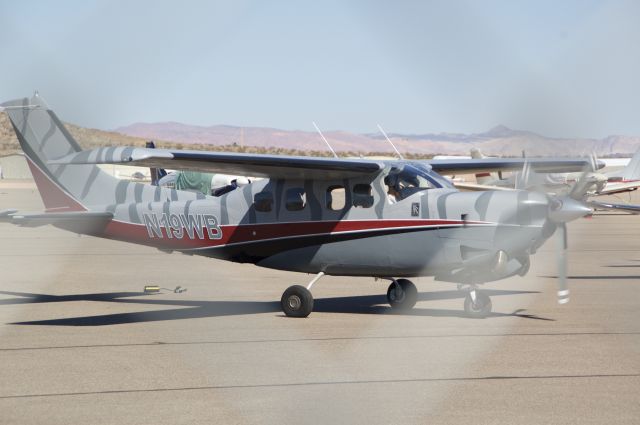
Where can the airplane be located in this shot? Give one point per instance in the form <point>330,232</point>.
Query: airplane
<point>293,218</point>
<point>626,179</point>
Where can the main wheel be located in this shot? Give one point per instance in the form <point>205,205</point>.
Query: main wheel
<point>403,298</point>
<point>479,309</point>
<point>297,301</point>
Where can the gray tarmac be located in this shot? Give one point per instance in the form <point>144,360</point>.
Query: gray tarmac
<point>79,343</point>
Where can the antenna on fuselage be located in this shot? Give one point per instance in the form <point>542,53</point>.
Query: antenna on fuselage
<point>390,142</point>
<point>325,140</point>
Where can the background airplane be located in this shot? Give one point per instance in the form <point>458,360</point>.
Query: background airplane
<point>623,180</point>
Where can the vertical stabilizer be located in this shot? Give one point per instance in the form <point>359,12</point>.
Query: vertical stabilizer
<point>42,138</point>
<point>65,187</point>
<point>483,178</point>
<point>632,171</point>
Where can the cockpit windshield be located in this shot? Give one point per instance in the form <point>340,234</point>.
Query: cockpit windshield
<point>408,179</point>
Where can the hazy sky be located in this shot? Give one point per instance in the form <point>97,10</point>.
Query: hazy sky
<point>561,68</point>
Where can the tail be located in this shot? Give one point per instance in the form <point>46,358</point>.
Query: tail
<point>62,187</point>
<point>632,170</point>
<point>482,178</point>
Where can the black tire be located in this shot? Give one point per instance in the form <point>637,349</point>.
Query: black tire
<point>480,309</point>
<point>407,299</point>
<point>297,301</point>
<point>526,264</point>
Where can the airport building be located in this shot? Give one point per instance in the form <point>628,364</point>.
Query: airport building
<point>14,167</point>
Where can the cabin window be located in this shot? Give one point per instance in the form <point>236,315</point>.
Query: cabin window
<point>336,198</point>
<point>263,201</point>
<point>296,199</point>
<point>362,197</point>
<point>408,180</point>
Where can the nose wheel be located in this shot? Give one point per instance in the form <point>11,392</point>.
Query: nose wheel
<point>402,294</point>
<point>477,304</point>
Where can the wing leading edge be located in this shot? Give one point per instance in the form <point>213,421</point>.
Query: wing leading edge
<point>540,165</point>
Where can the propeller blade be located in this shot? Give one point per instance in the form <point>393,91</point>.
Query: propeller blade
<point>593,159</point>
<point>522,179</point>
<point>563,288</point>
<point>588,179</point>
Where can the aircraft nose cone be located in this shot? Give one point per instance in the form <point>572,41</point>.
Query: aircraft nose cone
<point>563,210</point>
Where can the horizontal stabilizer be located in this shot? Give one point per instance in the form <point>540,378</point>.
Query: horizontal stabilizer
<point>75,219</point>
<point>612,188</point>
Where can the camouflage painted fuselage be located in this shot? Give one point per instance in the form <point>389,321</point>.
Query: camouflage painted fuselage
<point>436,232</point>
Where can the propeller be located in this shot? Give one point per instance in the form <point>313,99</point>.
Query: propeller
<point>565,209</point>
<point>523,177</point>
<point>563,287</point>
<point>562,209</point>
<point>588,179</point>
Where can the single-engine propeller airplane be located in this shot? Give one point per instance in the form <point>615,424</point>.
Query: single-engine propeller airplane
<point>350,217</point>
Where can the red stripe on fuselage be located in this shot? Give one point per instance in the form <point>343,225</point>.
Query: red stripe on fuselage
<point>246,233</point>
<point>55,199</point>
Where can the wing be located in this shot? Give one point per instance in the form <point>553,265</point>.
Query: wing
<point>485,165</point>
<point>255,165</point>
<point>474,187</point>
<point>633,209</point>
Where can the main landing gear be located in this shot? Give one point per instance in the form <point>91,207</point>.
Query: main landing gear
<point>402,294</point>
<point>297,300</point>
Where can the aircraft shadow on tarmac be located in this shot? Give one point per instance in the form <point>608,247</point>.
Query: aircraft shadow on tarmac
<point>192,309</point>
<point>623,266</point>
<point>589,277</point>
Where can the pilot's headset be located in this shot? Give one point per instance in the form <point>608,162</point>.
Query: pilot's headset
<point>391,179</point>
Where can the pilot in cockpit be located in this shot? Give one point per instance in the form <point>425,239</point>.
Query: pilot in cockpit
<point>404,182</point>
<point>393,193</point>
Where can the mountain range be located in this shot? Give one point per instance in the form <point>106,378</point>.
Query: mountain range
<point>498,141</point>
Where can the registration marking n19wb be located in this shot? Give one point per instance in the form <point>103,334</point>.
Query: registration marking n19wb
<point>182,225</point>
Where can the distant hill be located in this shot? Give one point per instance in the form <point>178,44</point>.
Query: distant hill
<point>221,135</point>
<point>499,141</point>
<point>90,138</point>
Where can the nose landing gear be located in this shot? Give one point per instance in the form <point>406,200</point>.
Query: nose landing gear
<point>477,304</point>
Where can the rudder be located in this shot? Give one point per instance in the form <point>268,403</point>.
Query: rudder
<point>632,171</point>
